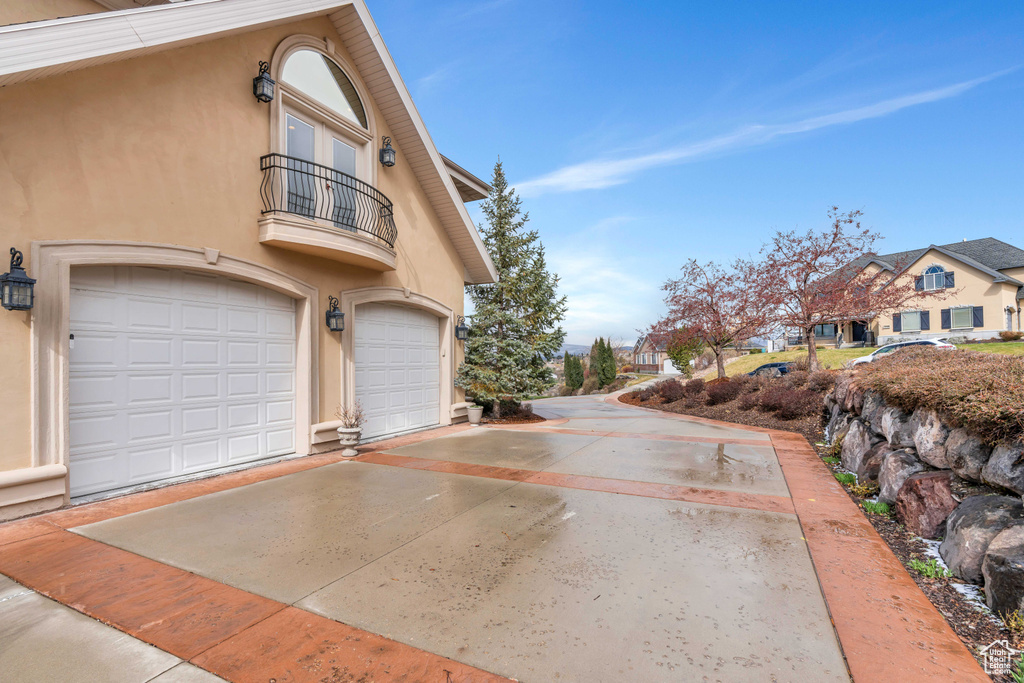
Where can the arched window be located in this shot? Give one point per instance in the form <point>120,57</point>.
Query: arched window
<point>316,75</point>
<point>935,277</point>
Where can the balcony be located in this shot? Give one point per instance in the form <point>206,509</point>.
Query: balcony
<point>317,210</point>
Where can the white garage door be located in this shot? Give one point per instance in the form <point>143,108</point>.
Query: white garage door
<point>175,372</point>
<point>397,368</point>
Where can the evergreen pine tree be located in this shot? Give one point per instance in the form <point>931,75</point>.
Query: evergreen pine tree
<point>573,372</point>
<point>515,324</point>
<point>608,369</point>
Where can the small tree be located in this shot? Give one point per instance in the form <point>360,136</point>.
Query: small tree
<point>683,347</point>
<point>717,306</point>
<point>515,327</point>
<point>815,278</point>
<point>573,372</point>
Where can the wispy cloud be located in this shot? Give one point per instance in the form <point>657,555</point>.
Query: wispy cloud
<point>435,79</point>
<point>601,173</point>
<point>608,294</point>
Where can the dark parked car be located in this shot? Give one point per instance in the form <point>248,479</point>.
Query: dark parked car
<point>772,370</point>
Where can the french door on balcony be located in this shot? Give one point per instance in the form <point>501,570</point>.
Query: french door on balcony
<point>321,171</point>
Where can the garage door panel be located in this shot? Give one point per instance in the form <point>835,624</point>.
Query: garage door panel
<point>243,384</point>
<point>149,315</point>
<point>201,455</point>
<point>143,389</point>
<point>393,364</point>
<point>150,463</point>
<point>169,362</point>
<point>243,321</point>
<point>202,387</point>
<point>243,353</point>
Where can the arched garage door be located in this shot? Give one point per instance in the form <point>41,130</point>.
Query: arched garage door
<point>173,373</point>
<point>397,368</point>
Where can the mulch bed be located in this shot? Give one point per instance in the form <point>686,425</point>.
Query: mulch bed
<point>513,420</point>
<point>976,628</point>
<point>809,427</point>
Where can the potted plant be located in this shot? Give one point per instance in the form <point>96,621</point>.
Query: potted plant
<point>475,412</point>
<point>352,419</point>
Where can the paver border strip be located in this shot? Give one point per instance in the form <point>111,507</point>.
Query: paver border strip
<point>887,627</point>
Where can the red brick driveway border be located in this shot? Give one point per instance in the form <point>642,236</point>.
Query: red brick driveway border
<point>888,629</point>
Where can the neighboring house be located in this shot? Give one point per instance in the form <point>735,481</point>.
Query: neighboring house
<point>188,241</point>
<point>986,274</point>
<point>651,358</point>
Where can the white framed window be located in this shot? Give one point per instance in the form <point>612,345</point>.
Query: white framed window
<point>935,277</point>
<point>912,321</point>
<point>963,317</point>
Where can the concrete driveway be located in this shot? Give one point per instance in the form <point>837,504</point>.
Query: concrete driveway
<point>607,544</point>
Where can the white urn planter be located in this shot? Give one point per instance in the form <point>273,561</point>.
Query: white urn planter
<point>475,413</point>
<point>349,438</point>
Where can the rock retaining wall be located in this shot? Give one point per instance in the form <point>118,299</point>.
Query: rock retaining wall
<point>943,482</point>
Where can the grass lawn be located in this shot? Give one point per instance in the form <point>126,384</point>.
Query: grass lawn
<point>835,358</point>
<point>639,378</point>
<point>829,358</point>
<point>1005,348</point>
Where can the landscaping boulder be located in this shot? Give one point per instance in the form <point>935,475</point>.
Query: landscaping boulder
<point>871,465</point>
<point>837,427</point>
<point>854,402</point>
<point>1003,571</point>
<point>1005,467</point>
<point>895,426</point>
<point>924,502</point>
<point>971,528</point>
<point>872,410</point>
<point>895,469</point>
<point>841,389</point>
<point>857,445</point>
<point>966,454</point>
<point>930,437</point>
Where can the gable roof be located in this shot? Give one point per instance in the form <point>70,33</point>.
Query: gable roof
<point>48,48</point>
<point>987,254</point>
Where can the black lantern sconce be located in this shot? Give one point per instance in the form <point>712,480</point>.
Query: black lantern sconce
<point>461,329</point>
<point>263,85</point>
<point>335,318</point>
<point>387,153</point>
<point>17,291</point>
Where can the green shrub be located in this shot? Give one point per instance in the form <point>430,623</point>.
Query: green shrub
<point>1018,671</point>
<point>983,392</point>
<point>877,508</point>
<point>929,569</point>
<point>831,460</point>
<point>845,478</point>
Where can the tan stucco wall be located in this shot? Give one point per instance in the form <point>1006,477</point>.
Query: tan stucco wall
<point>20,11</point>
<point>973,288</point>
<point>166,148</point>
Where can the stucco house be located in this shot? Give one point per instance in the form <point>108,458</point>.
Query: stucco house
<point>987,279</point>
<point>196,223</point>
<point>651,358</point>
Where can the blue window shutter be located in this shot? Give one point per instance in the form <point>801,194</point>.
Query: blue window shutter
<point>897,323</point>
<point>979,316</point>
<point>919,283</point>
<point>947,319</point>
<point>926,320</point>
<point>950,280</point>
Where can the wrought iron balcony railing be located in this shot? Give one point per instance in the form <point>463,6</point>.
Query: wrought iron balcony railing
<point>319,192</point>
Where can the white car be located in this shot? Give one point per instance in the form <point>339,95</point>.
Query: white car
<point>889,348</point>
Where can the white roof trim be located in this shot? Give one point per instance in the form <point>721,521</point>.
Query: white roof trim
<point>48,48</point>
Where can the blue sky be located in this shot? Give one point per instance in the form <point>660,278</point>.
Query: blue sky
<point>644,134</point>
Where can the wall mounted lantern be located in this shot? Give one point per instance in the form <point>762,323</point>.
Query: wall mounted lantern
<point>461,329</point>
<point>263,85</point>
<point>335,318</point>
<point>387,153</point>
<point>16,287</point>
